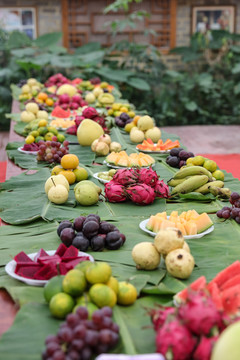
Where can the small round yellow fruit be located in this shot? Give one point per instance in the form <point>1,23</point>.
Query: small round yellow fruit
<point>61,304</point>
<point>210,165</point>
<point>69,175</point>
<point>58,194</point>
<point>218,175</point>
<point>127,293</point>
<point>32,107</point>
<point>54,180</point>
<point>42,114</point>
<point>69,161</point>
<point>80,173</point>
<point>29,139</point>
<point>27,116</point>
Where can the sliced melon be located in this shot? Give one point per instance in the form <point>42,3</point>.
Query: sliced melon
<point>166,223</point>
<point>173,216</point>
<point>122,161</point>
<point>181,227</point>
<point>231,299</point>
<point>227,273</point>
<point>194,214</point>
<point>191,228</point>
<point>203,222</point>
<point>162,214</point>
<point>111,158</point>
<point>235,280</point>
<point>216,295</point>
<point>197,285</point>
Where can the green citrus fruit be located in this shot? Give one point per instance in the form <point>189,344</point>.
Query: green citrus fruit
<point>113,284</point>
<point>56,170</point>
<point>83,265</point>
<point>218,175</point>
<point>60,138</point>
<point>210,165</point>
<point>48,136</point>
<point>98,272</point>
<point>198,160</point>
<point>127,293</point>
<point>102,295</point>
<point>61,304</point>
<point>42,130</point>
<point>74,282</point>
<point>52,287</point>
<point>81,174</point>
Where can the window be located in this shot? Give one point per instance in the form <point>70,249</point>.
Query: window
<point>22,19</point>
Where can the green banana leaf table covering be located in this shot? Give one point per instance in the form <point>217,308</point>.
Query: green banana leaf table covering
<point>32,222</point>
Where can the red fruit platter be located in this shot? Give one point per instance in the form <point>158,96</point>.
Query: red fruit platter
<point>10,267</point>
<point>20,149</point>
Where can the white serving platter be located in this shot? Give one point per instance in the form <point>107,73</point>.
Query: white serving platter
<point>143,224</point>
<point>103,181</point>
<point>11,266</point>
<point>20,149</point>
<point>122,167</point>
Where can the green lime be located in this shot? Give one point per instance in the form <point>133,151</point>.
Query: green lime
<point>218,175</point>
<point>74,282</point>
<point>102,295</point>
<point>210,165</point>
<point>83,265</point>
<point>52,287</point>
<point>61,304</point>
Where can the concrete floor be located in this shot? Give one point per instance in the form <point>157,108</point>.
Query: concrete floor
<point>210,139</point>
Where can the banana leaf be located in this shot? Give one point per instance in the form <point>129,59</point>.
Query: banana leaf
<point>33,323</point>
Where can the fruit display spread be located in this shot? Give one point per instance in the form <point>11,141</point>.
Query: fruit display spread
<point>133,231</point>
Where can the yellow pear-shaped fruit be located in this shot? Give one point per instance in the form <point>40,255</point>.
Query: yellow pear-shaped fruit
<point>145,122</point>
<point>154,134</point>
<point>137,136</point>
<point>88,131</point>
<point>67,89</point>
<point>58,194</point>
<point>54,180</point>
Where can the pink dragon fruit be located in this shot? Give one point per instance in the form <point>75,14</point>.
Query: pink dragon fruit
<point>161,189</point>
<point>160,314</point>
<point>148,176</point>
<point>175,341</point>
<point>200,314</point>
<point>115,192</point>
<point>126,176</point>
<point>72,130</point>
<point>99,120</point>
<point>204,348</point>
<point>141,194</point>
<point>89,112</point>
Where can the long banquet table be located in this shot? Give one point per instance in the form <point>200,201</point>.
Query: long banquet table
<point>212,253</point>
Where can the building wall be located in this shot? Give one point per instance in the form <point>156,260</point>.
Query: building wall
<point>49,14</point>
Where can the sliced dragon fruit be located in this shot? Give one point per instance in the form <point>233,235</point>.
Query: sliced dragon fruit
<point>39,254</point>
<point>28,271</point>
<point>70,254</point>
<point>22,257</point>
<point>46,272</point>
<point>54,259</point>
<point>61,250</point>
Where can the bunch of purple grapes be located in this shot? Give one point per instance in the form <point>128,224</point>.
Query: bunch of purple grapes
<point>81,338</point>
<point>52,151</point>
<point>231,212</point>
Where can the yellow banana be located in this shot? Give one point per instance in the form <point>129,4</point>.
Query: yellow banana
<point>190,184</point>
<point>204,189</point>
<point>223,193</point>
<point>192,170</point>
<point>174,182</point>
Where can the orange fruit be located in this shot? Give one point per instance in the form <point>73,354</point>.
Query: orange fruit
<point>69,161</point>
<point>69,175</point>
<point>49,102</point>
<point>135,119</point>
<point>42,96</point>
<point>127,293</point>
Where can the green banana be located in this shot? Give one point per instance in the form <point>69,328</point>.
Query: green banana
<point>204,189</point>
<point>174,182</point>
<point>192,170</point>
<point>190,184</point>
<point>223,193</point>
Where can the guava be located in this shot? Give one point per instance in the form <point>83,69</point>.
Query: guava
<point>115,146</point>
<point>101,149</point>
<point>27,116</point>
<point>145,122</point>
<point>146,256</point>
<point>179,263</point>
<point>90,98</point>
<point>154,134</point>
<point>86,195</point>
<point>168,240</point>
<point>42,114</point>
<point>32,107</point>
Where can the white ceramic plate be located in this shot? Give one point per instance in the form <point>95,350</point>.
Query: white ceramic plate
<point>10,269</point>
<point>27,152</point>
<point>100,179</point>
<point>143,224</point>
<point>122,167</point>
<point>154,152</point>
